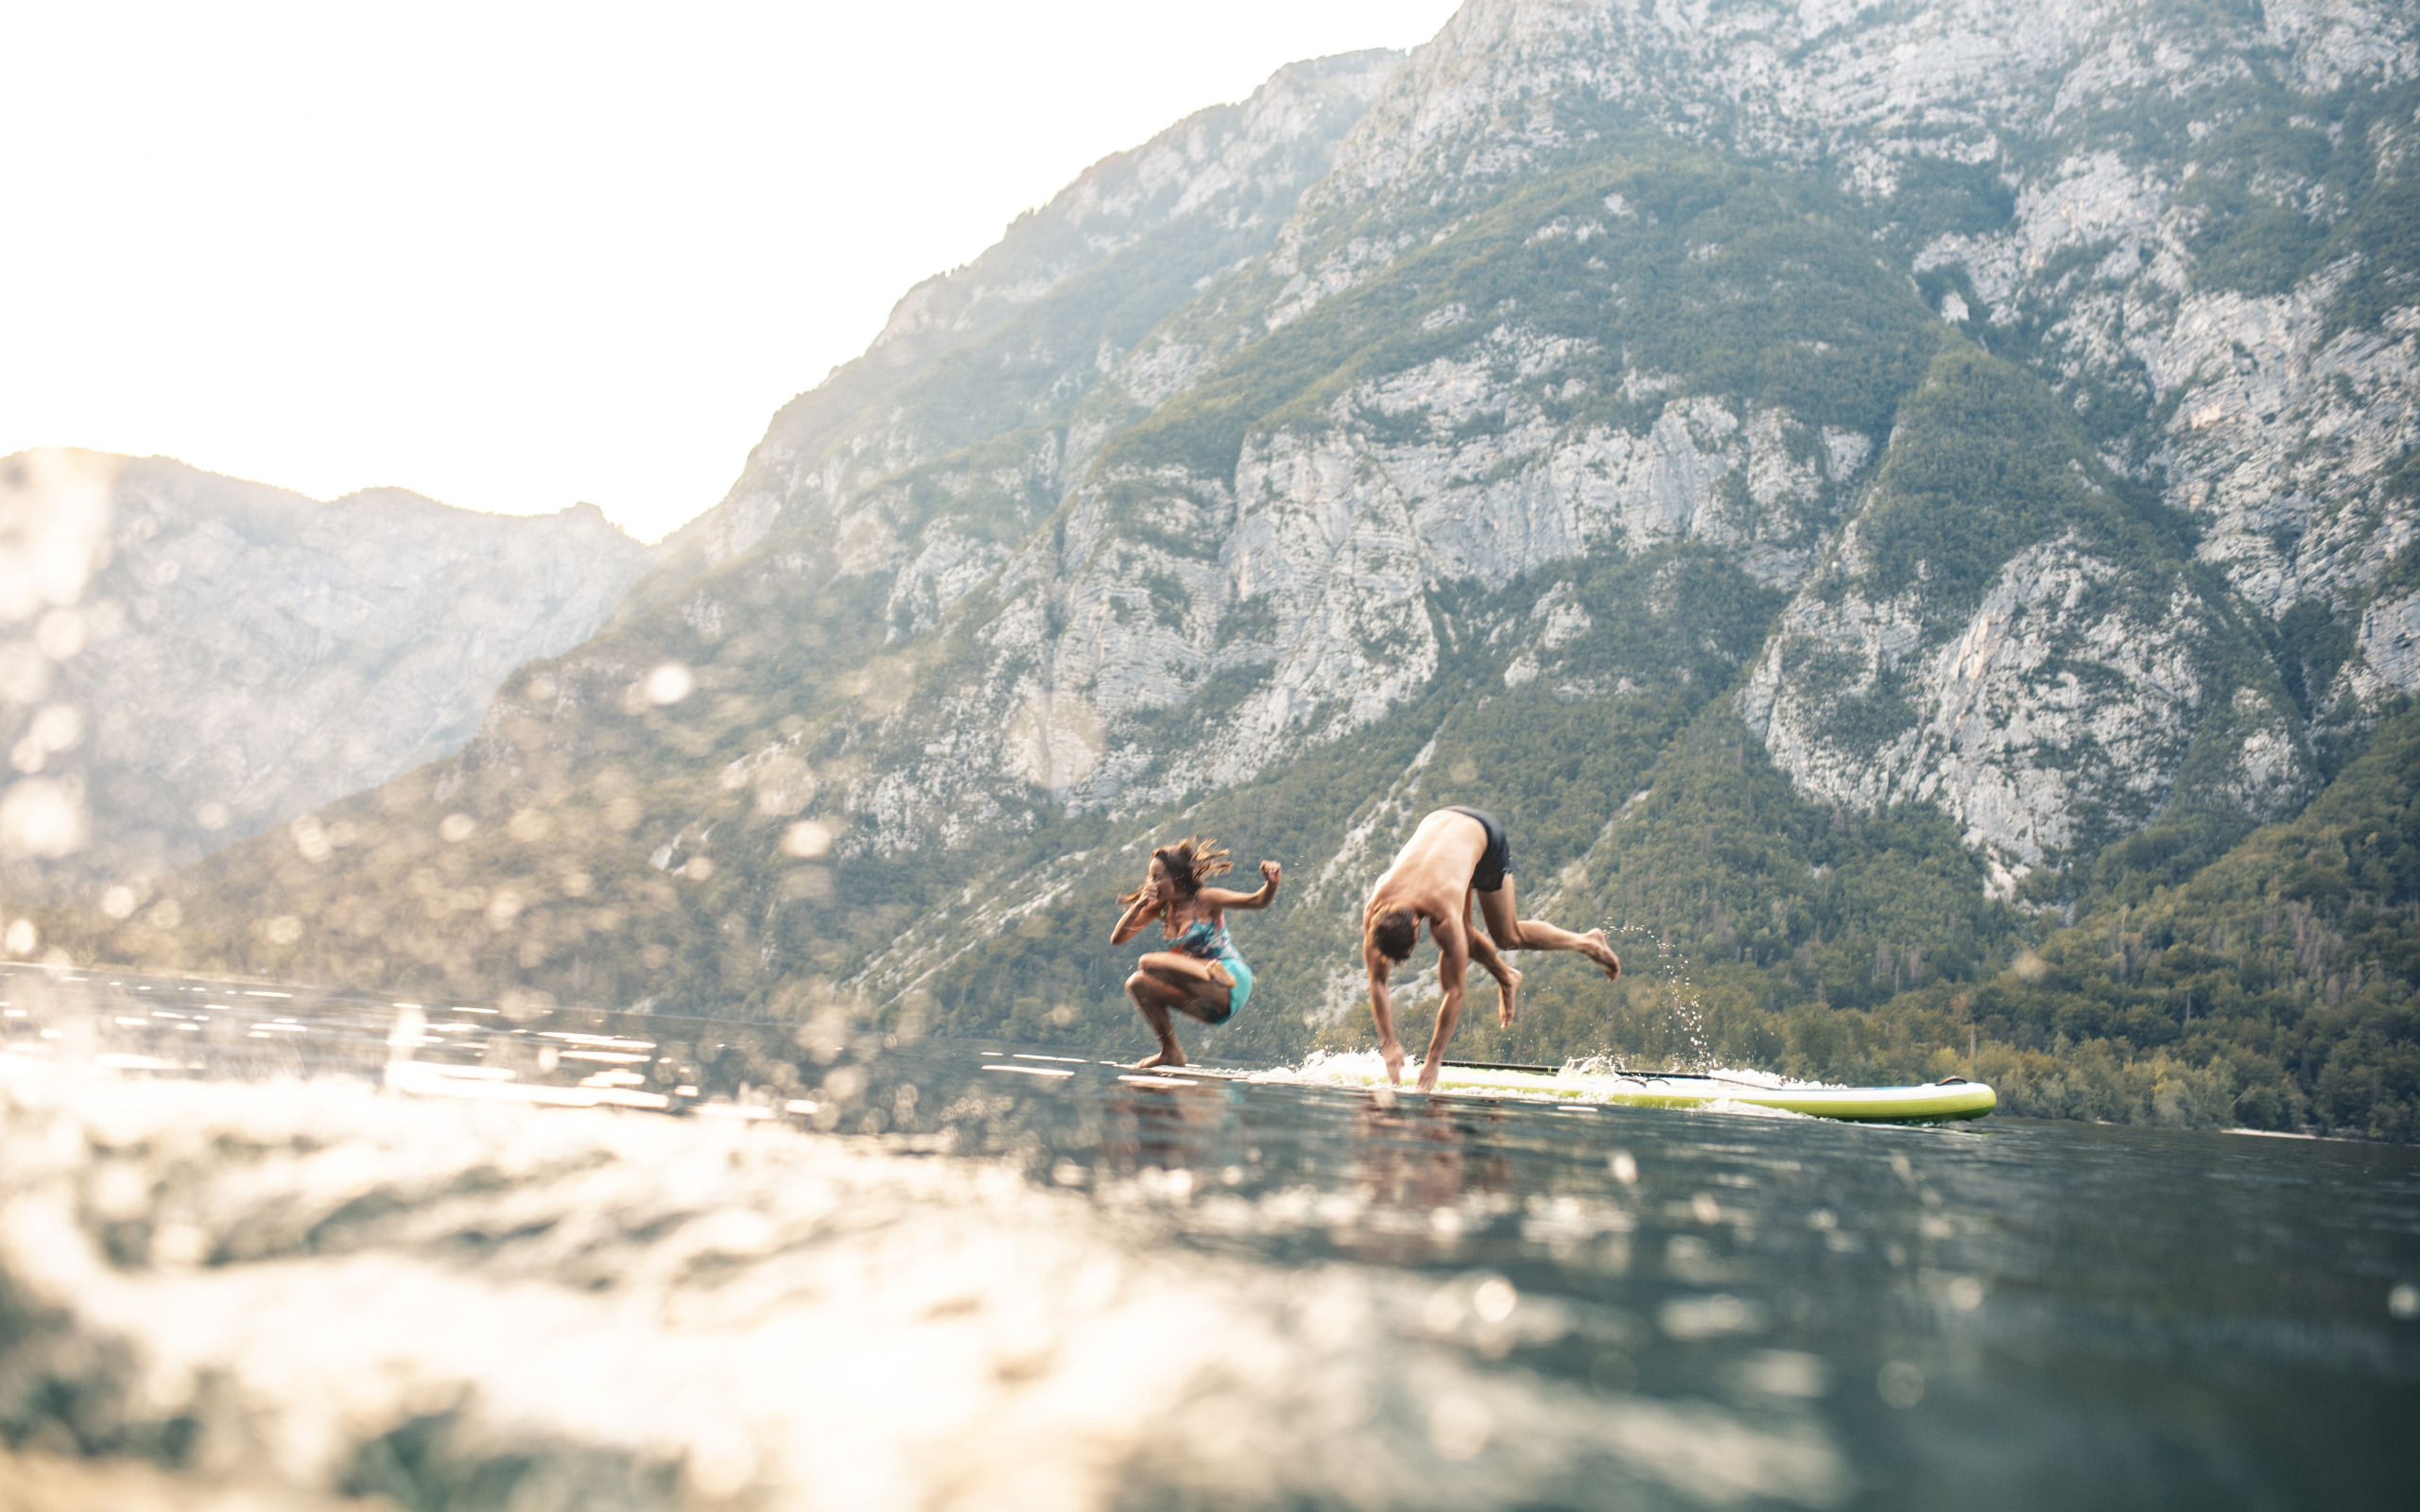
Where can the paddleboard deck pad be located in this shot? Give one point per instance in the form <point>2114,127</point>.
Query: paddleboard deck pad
<point>1931,1102</point>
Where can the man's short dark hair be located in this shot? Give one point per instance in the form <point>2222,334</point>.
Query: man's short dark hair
<point>1395,933</point>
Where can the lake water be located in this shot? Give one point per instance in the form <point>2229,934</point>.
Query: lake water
<point>234,1265</point>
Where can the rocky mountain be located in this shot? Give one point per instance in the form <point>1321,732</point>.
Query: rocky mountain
<point>1857,487</point>
<point>190,659</point>
<point>981,365</point>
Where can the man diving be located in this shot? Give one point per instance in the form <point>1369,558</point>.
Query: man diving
<point>1455,853</point>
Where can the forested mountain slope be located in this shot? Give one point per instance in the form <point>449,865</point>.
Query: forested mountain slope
<point>1859,489</point>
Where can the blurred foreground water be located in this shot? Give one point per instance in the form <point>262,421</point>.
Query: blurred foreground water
<point>261,1250</point>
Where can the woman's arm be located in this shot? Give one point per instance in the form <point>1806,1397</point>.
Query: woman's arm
<point>1141,912</point>
<point>1221,898</point>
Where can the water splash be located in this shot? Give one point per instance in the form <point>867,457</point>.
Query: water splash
<point>1678,993</point>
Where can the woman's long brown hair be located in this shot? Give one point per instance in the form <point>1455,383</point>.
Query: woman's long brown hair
<point>1190,863</point>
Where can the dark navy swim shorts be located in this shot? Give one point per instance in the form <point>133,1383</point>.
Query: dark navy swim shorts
<point>1495,862</point>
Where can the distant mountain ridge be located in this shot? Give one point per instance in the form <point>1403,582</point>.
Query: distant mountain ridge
<point>238,655</point>
<point>1858,488</point>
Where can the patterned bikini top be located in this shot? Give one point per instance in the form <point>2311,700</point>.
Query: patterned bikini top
<point>1205,940</point>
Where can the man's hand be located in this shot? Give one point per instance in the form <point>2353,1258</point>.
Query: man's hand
<point>1390,1051</point>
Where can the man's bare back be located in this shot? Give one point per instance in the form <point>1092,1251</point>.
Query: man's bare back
<point>1455,858</point>
<point>1432,873</point>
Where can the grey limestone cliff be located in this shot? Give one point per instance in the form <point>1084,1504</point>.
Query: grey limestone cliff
<point>2272,422</point>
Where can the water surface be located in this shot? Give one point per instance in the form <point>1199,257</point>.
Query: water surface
<point>806,1268</point>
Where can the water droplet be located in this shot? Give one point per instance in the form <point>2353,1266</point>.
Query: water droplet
<point>1900,1385</point>
<point>1459,1428</point>
<point>669,683</point>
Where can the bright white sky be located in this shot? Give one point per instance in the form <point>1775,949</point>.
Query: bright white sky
<point>516,255</point>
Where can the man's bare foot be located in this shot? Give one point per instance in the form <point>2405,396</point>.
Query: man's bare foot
<point>1602,953</point>
<point>1511,983</point>
<point>1427,1076</point>
<point>1392,1055</point>
<point>1169,1055</point>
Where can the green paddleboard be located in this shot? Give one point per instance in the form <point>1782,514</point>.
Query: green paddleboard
<point>1623,1086</point>
<point>1932,1102</point>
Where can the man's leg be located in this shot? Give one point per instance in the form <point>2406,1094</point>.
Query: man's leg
<point>1507,980</point>
<point>1449,1012</point>
<point>1513,932</point>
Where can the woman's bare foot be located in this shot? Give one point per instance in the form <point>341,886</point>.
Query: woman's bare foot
<point>1509,984</point>
<point>1169,1055</point>
<point>1602,953</point>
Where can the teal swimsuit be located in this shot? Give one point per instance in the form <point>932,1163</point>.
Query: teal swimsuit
<point>1205,941</point>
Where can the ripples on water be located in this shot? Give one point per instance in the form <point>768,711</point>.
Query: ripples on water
<point>948,1275</point>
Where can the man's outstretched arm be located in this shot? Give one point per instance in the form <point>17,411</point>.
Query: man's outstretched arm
<point>1453,964</point>
<point>1390,1048</point>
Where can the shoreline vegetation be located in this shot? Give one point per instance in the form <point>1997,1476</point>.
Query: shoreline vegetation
<point>2270,989</point>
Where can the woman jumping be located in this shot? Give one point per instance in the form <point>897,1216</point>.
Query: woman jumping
<point>1200,975</point>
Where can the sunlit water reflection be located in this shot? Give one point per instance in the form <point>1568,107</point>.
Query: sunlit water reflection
<point>339,1249</point>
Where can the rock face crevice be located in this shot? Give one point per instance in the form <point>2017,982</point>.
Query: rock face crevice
<point>2038,669</point>
<point>2056,717</point>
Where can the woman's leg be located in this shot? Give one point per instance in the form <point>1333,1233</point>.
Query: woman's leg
<point>1198,988</point>
<point>1155,1000</point>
